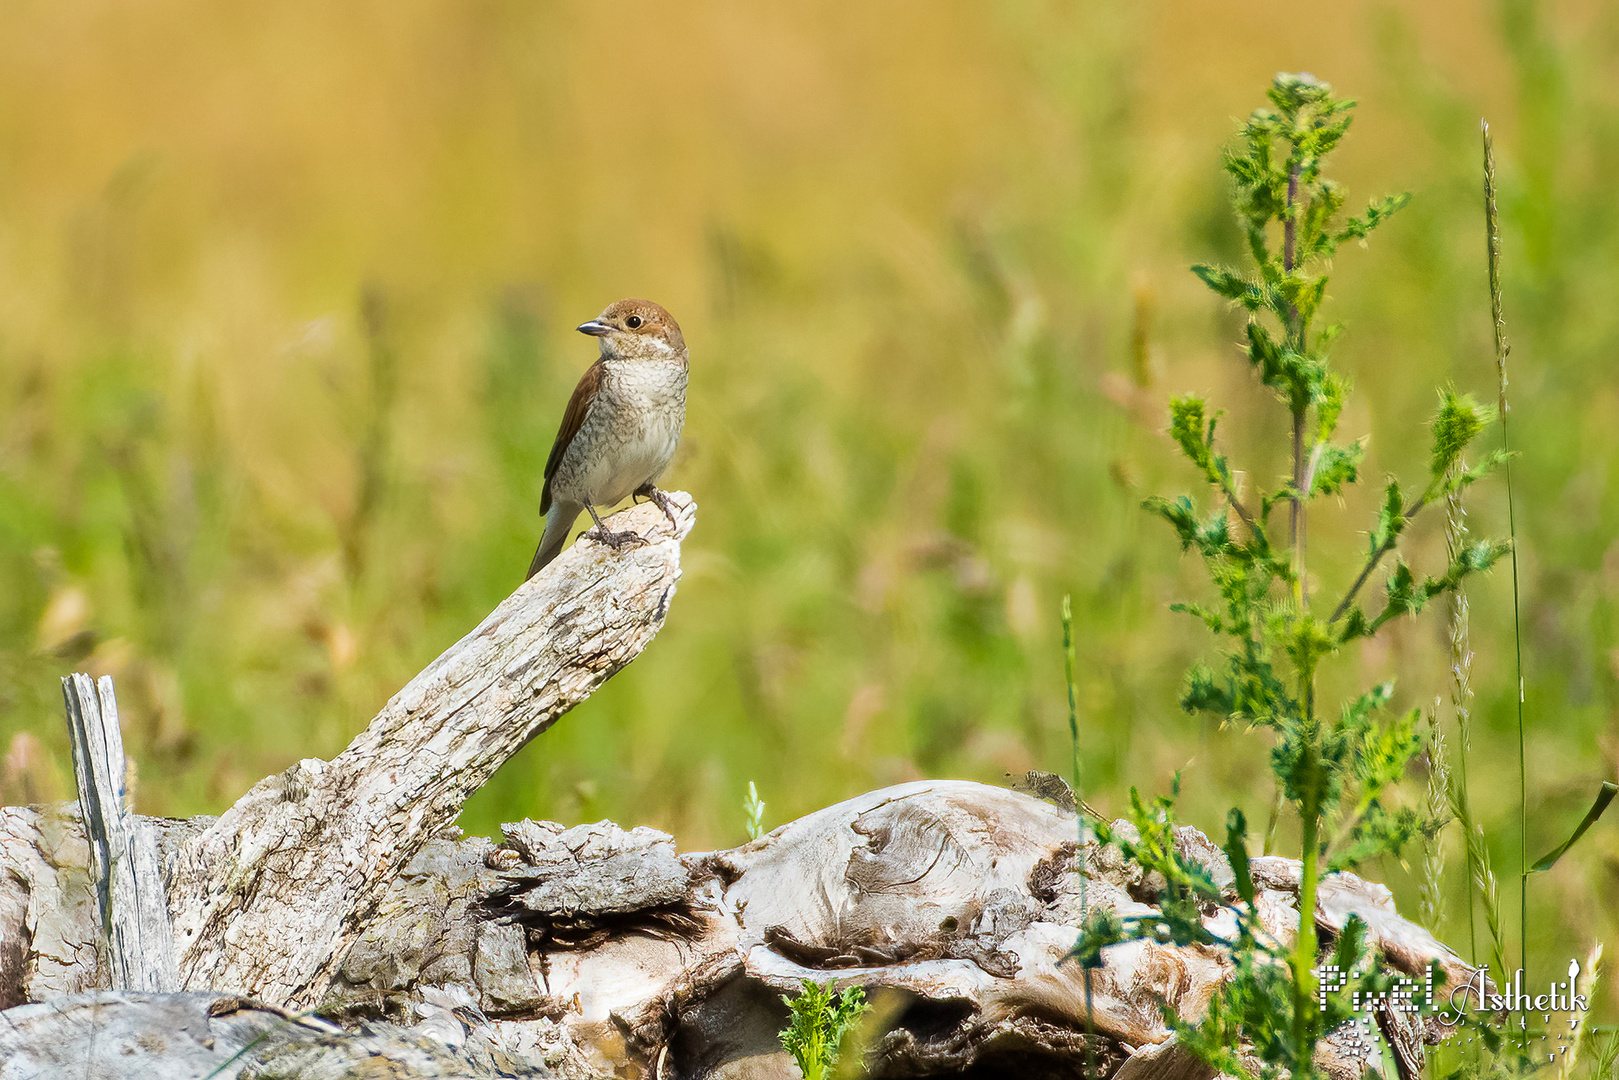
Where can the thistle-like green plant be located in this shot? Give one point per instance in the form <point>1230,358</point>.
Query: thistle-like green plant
<point>820,1020</point>
<point>1336,769</point>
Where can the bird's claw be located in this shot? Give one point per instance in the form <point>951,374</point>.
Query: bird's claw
<point>618,541</point>
<point>662,502</point>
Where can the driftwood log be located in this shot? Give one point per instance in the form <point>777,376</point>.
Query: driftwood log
<point>334,923</point>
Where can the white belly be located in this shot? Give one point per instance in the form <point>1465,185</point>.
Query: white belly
<point>629,435</point>
<point>639,458</point>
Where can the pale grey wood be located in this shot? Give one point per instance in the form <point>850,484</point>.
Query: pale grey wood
<point>591,870</point>
<point>130,896</point>
<point>269,898</point>
<point>132,1036</point>
<point>962,897</point>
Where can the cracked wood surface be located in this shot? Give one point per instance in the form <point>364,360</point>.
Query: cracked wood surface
<point>48,915</point>
<point>134,1036</point>
<point>952,903</point>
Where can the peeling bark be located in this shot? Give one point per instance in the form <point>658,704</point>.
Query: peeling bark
<point>951,903</point>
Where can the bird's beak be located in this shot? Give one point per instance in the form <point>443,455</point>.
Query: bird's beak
<point>595,328</point>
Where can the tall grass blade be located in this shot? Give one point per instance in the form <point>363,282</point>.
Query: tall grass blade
<point>1079,811</point>
<point>1493,227</point>
<point>1073,702</point>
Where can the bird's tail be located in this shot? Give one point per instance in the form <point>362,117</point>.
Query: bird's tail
<point>558,523</point>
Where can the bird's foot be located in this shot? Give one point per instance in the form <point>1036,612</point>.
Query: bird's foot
<point>662,501</point>
<point>618,541</point>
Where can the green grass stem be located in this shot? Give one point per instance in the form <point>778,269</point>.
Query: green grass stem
<point>1502,348</point>
<point>1079,809</point>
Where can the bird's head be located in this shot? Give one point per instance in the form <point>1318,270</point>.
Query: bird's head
<point>637,330</point>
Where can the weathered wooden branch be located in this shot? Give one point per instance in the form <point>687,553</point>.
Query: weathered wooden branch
<point>130,896</point>
<point>267,899</point>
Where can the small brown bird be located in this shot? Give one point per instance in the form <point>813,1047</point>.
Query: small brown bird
<point>621,426</point>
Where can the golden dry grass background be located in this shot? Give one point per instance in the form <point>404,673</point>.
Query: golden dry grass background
<point>286,297</point>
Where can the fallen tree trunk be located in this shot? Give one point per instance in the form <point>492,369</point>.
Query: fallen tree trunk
<point>340,886</point>
<point>952,903</point>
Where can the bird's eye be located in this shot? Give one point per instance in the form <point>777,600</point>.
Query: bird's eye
<point>633,322</point>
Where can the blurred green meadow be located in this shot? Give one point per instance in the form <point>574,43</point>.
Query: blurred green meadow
<point>286,307</point>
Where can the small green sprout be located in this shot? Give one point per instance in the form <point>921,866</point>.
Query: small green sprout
<point>754,807</point>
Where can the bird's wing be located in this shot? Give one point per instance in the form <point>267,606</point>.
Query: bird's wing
<point>572,419</point>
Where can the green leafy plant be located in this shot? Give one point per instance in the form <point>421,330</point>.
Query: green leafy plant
<point>1336,769</point>
<point>820,1021</point>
